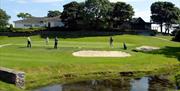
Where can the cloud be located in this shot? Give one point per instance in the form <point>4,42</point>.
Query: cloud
<point>22,1</point>
<point>45,1</point>
<point>35,1</point>
<point>127,0</point>
<point>142,0</point>
<point>19,1</point>
<point>143,14</point>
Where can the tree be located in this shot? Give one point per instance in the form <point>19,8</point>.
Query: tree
<point>71,14</point>
<point>177,36</point>
<point>165,13</point>
<point>24,15</point>
<point>3,19</point>
<point>53,13</point>
<point>109,16</point>
<point>97,8</point>
<point>96,12</point>
<point>122,12</point>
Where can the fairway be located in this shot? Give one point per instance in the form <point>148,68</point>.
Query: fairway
<point>42,62</point>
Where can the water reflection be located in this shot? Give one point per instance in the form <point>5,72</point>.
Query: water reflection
<point>140,84</point>
<point>155,83</point>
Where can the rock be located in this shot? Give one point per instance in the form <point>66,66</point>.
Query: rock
<point>13,77</point>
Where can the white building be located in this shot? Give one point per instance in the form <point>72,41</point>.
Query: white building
<point>158,28</point>
<point>39,22</point>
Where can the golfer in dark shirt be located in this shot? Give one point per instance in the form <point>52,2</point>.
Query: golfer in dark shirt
<point>55,43</point>
<point>111,42</point>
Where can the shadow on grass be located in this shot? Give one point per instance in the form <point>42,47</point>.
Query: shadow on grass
<point>24,47</point>
<point>51,48</point>
<point>77,34</point>
<point>169,52</point>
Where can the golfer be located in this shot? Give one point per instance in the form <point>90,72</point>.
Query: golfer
<point>124,45</point>
<point>47,40</point>
<point>111,42</point>
<point>55,43</point>
<point>28,42</point>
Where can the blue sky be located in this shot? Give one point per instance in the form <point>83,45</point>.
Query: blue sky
<point>40,8</point>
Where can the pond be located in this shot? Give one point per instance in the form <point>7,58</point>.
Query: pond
<point>153,83</point>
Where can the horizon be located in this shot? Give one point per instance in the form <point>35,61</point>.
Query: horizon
<point>40,8</point>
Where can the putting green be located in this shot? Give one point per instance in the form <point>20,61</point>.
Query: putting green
<point>42,62</point>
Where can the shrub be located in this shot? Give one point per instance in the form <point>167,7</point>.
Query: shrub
<point>154,32</point>
<point>173,33</point>
<point>177,36</point>
<point>27,29</point>
<point>4,29</point>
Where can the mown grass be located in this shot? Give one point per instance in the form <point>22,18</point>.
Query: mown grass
<point>168,37</point>
<point>44,65</point>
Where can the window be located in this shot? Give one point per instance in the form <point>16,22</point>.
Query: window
<point>36,25</point>
<point>27,25</point>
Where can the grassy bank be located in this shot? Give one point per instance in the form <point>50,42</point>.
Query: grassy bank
<point>44,65</point>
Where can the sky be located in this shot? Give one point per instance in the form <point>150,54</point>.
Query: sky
<point>40,8</point>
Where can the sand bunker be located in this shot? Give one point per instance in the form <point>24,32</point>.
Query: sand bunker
<point>4,45</point>
<point>146,48</point>
<point>89,53</point>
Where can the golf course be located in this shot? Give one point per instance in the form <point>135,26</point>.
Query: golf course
<point>43,65</point>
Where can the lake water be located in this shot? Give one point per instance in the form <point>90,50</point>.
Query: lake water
<point>155,83</point>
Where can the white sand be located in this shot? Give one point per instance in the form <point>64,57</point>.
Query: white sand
<point>147,48</point>
<point>4,45</point>
<point>89,53</point>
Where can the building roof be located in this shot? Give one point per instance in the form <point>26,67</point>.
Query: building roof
<point>38,19</point>
<point>137,20</point>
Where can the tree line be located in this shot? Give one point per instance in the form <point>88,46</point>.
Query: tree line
<point>97,14</point>
<point>51,13</point>
<point>103,14</point>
